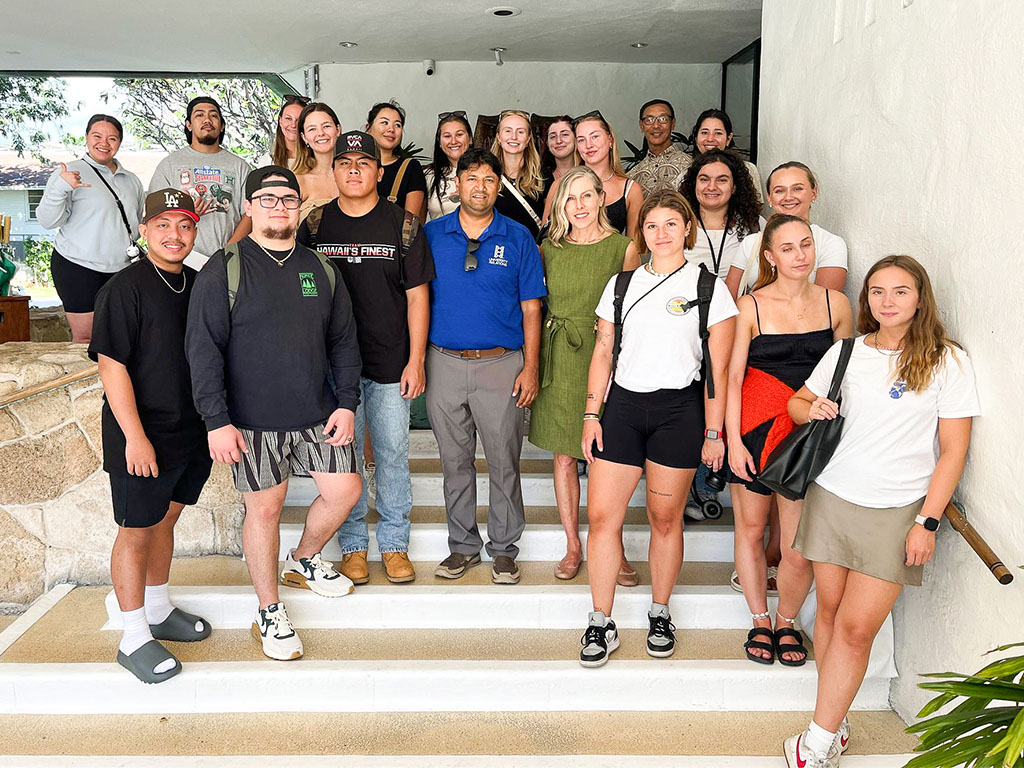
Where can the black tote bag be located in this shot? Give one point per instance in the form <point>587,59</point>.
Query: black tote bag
<point>805,451</point>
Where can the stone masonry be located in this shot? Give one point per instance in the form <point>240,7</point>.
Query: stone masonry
<point>55,516</point>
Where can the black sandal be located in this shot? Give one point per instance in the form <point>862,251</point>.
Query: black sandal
<point>797,647</point>
<point>756,644</point>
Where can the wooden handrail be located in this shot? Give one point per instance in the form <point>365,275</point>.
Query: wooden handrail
<point>954,513</point>
<point>46,386</point>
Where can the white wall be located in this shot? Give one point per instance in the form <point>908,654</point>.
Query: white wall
<point>913,126</point>
<point>617,90</point>
<point>14,203</point>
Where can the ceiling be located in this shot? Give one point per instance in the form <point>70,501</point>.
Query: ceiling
<point>275,36</point>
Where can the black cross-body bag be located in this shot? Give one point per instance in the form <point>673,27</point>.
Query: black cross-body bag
<point>804,452</point>
<point>135,249</point>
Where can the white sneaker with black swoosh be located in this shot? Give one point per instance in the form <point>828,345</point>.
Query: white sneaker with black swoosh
<point>316,574</point>
<point>274,630</point>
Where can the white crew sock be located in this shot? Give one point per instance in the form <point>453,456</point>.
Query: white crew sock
<point>136,631</point>
<point>137,634</point>
<point>158,604</point>
<point>818,739</point>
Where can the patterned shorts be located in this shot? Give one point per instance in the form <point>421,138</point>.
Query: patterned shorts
<point>274,456</point>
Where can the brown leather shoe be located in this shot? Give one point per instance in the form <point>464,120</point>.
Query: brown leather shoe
<point>397,567</point>
<point>353,565</point>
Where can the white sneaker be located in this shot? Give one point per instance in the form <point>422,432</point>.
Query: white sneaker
<point>316,574</point>
<point>799,756</point>
<point>274,630</point>
<point>843,736</point>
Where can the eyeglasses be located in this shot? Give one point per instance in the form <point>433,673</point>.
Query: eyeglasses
<point>443,116</point>
<point>291,98</point>
<point>472,246</point>
<point>659,119</point>
<point>594,114</point>
<point>291,202</point>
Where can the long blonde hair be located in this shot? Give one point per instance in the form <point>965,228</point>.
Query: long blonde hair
<point>560,225</point>
<point>766,274</point>
<point>614,158</point>
<point>529,181</point>
<point>925,343</point>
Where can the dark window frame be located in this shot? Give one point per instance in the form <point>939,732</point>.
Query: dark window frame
<point>751,52</point>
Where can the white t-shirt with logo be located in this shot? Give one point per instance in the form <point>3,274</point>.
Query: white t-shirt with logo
<point>829,251</point>
<point>661,336</point>
<point>889,447</point>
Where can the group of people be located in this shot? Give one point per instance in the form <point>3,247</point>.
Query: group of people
<point>661,326</point>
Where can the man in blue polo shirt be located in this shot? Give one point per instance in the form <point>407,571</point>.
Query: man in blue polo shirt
<point>482,363</point>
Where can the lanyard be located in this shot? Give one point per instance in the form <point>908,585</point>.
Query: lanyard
<point>133,249</point>
<point>716,259</point>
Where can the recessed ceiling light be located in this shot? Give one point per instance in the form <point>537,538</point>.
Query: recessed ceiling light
<point>504,11</point>
<point>348,44</point>
<point>638,45</point>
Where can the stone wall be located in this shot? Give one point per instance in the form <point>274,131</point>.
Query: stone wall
<point>56,523</point>
<point>49,324</point>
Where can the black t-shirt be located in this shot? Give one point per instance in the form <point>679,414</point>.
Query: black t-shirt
<point>412,181</point>
<point>508,205</point>
<point>367,250</point>
<point>264,364</point>
<point>140,323</point>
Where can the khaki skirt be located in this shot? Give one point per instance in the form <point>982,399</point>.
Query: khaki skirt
<point>864,539</point>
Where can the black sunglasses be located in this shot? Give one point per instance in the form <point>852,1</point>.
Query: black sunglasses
<point>590,115</point>
<point>472,246</point>
<point>291,98</point>
<point>449,115</point>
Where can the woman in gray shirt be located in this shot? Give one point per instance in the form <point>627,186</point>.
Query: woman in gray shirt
<point>95,205</point>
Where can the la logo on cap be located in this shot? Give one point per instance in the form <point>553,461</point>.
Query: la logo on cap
<point>171,200</point>
<point>355,142</point>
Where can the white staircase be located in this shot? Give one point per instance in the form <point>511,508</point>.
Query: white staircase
<point>468,652</point>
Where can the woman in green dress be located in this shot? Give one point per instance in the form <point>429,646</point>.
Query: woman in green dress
<point>581,253</point>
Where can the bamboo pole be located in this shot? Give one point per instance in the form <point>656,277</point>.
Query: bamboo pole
<point>957,519</point>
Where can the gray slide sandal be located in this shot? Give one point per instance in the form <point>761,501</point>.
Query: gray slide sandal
<point>146,659</point>
<point>181,627</point>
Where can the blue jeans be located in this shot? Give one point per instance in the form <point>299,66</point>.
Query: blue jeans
<point>388,414</point>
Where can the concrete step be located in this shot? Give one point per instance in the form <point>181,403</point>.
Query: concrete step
<point>613,739</point>
<point>534,516</point>
<point>428,490</point>
<point>429,541</point>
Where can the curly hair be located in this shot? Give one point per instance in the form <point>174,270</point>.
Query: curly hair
<point>744,208</point>
<point>925,343</point>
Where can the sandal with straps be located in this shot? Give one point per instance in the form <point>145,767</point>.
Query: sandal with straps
<point>757,644</point>
<point>798,647</point>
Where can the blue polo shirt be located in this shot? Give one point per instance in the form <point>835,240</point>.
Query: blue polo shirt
<point>480,309</point>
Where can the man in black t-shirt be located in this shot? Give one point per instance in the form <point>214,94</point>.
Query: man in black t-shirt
<point>154,446</point>
<point>272,349</point>
<point>382,255</point>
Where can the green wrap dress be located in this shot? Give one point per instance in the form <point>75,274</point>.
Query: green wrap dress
<point>576,277</point>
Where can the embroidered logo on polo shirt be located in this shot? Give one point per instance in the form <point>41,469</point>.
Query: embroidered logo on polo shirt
<point>898,389</point>
<point>498,258</point>
<point>308,283</point>
<point>677,305</point>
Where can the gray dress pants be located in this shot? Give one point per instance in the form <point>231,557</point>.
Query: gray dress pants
<point>465,397</point>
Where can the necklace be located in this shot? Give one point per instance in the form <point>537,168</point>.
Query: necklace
<point>610,176</point>
<point>650,269</point>
<point>885,349</point>
<point>279,262</point>
<point>184,279</point>
<point>574,241</point>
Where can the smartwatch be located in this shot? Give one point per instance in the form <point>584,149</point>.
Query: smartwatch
<point>713,434</point>
<point>929,523</point>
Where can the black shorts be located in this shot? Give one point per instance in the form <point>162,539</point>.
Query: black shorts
<point>76,285</point>
<point>665,426</point>
<point>140,502</point>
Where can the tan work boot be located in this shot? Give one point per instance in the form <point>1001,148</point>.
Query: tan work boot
<point>397,567</point>
<point>353,565</point>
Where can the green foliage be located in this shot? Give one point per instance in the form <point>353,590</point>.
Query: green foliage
<point>154,111</point>
<point>411,150</point>
<point>974,733</point>
<point>37,258</point>
<point>24,103</point>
